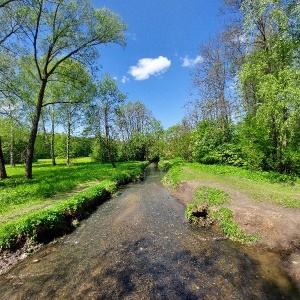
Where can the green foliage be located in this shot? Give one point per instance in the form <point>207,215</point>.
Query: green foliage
<point>269,85</point>
<point>212,144</point>
<point>166,164</point>
<point>177,141</point>
<point>210,196</point>
<point>230,228</point>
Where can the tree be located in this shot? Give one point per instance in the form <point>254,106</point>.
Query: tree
<point>138,131</point>
<point>270,77</point>
<point>56,31</point>
<point>102,114</point>
<point>3,174</point>
<point>177,141</point>
<point>71,92</point>
<point>212,79</point>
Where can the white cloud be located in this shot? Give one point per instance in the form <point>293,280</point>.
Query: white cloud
<point>132,36</point>
<point>124,79</point>
<point>149,66</point>
<point>190,62</point>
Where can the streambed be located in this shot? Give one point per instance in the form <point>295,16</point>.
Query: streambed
<point>140,246</point>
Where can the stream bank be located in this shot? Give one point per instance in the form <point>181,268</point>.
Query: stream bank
<point>140,246</point>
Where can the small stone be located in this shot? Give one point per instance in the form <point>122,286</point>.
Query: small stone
<point>35,260</point>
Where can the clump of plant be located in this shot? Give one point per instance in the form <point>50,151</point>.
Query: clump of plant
<point>230,228</point>
<point>210,196</point>
<point>198,212</point>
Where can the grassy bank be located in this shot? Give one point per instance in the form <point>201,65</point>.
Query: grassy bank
<point>276,188</point>
<point>57,198</point>
<point>259,186</point>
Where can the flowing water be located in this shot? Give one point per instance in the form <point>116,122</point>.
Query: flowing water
<point>139,246</point>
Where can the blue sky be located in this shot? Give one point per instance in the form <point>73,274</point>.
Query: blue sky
<point>163,40</point>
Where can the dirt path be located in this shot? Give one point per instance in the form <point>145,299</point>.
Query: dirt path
<point>278,227</point>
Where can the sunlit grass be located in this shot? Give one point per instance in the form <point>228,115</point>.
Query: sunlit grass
<point>259,186</point>
<point>48,181</point>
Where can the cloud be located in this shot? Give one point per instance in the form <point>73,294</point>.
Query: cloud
<point>131,36</point>
<point>149,66</point>
<point>124,79</point>
<point>190,62</point>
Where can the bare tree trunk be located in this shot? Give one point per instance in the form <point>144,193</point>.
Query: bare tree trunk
<point>12,146</point>
<point>34,129</point>
<point>68,140</point>
<point>3,173</point>
<point>52,152</point>
<point>107,144</point>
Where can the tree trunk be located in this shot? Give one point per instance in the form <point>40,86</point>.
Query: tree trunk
<point>12,146</point>
<point>34,129</point>
<point>107,144</point>
<point>52,152</point>
<point>3,173</point>
<point>68,140</point>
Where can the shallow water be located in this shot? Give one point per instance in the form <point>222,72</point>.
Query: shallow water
<point>139,246</point>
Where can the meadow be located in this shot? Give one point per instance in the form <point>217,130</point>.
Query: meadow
<point>56,194</point>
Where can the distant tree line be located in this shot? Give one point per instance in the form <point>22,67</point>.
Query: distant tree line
<point>246,108</point>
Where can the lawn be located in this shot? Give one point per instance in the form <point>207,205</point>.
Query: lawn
<point>50,184</point>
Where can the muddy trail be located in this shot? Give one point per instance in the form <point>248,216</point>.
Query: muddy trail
<point>139,246</point>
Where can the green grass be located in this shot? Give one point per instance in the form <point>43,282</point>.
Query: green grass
<point>17,193</point>
<point>48,181</point>
<point>57,197</point>
<point>210,199</point>
<point>259,186</point>
<point>210,196</point>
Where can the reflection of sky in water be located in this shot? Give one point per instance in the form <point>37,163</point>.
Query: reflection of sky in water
<point>139,246</point>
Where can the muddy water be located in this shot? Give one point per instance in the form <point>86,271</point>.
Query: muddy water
<point>139,246</point>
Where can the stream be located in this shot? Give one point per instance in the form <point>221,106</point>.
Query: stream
<point>139,245</point>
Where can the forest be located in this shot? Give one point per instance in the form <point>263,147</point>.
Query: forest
<point>244,109</point>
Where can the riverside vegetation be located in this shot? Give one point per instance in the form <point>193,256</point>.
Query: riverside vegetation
<point>209,204</point>
<point>57,198</point>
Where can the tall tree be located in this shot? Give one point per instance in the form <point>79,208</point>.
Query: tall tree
<point>139,132</point>
<point>3,173</point>
<point>103,111</point>
<point>270,77</point>
<point>68,96</point>
<point>55,32</point>
<point>211,79</point>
